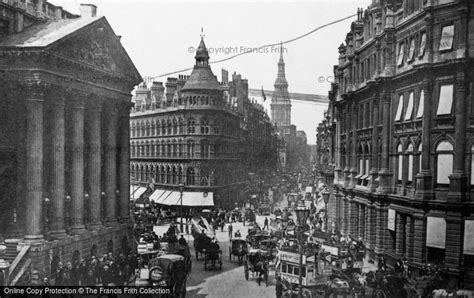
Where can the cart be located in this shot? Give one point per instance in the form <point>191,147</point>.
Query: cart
<point>212,258</point>
<point>256,262</point>
<point>238,247</point>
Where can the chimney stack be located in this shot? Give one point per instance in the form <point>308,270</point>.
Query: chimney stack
<point>88,10</point>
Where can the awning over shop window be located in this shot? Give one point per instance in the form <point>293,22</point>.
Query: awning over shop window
<point>391,219</point>
<point>436,232</point>
<point>469,237</point>
<point>309,189</point>
<point>136,192</point>
<point>173,198</point>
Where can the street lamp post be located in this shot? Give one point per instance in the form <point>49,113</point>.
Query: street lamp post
<point>326,200</point>
<point>181,188</point>
<point>302,214</point>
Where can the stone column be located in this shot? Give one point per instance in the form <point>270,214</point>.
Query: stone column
<point>94,159</point>
<point>77,169</point>
<point>454,242</point>
<point>424,179</point>
<point>375,146</point>
<point>353,181</point>
<point>34,98</point>
<point>400,234</point>
<point>380,228</point>
<point>344,213</point>
<point>361,221</point>
<point>125,162</point>
<point>346,170</point>
<point>409,230</point>
<point>385,184</point>
<point>371,224</point>
<point>355,219</point>
<point>419,238</point>
<point>56,188</point>
<point>111,165</point>
<point>458,180</point>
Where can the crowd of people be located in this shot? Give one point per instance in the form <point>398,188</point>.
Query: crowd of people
<point>107,269</point>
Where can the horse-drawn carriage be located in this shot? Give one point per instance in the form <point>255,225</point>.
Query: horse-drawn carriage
<point>255,236</point>
<point>213,258</point>
<point>238,247</point>
<point>249,217</point>
<point>270,246</point>
<point>167,272</point>
<point>256,262</point>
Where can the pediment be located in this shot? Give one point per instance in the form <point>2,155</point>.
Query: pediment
<point>97,46</point>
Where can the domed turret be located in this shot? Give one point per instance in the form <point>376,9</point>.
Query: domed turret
<point>201,77</point>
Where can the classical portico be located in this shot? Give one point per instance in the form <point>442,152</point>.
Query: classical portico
<point>68,160</point>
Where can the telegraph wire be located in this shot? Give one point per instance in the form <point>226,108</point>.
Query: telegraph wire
<point>261,47</point>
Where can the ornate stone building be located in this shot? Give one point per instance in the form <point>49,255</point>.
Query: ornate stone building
<point>401,119</point>
<point>65,90</point>
<point>190,133</point>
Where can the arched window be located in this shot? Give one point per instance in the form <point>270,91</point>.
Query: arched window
<point>472,165</point>
<point>175,148</point>
<point>147,128</point>
<point>180,148</point>
<point>216,127</point>
<point>181,126</point>
<point>147,148</point>
<point>152,148</point>
<point>175,173</point>
<point>168,149</point>
<point>204,126</point>
<point>180,175</point>
<point>190,148</point>
<point>410,164</point>
<point>162,174</point>
<point>190,175</point>
<point>169,127</point>
<point>204,148</point>
<point>158,128</point>
<point>153,131</point>
<point>191,125</point>
<point>175,126</point>
<point>163,127</point>
<point>205,177</point>
<point>444,162</point>
<point>168,175</point>
<point>400,163</point>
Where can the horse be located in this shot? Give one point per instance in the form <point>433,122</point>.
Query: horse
<point>240,253</point>
<point>261,268</point>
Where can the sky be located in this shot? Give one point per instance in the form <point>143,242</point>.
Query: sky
<point>160,37</point>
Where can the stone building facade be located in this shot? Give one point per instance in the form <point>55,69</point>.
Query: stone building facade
<point>189,132</point>
<point>400,133</point>
<point>65,90</point>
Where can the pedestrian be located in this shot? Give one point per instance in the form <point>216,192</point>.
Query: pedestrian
<point>265,224</point>
<point>230,231</point>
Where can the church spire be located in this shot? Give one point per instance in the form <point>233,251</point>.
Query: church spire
<point>281,77</point>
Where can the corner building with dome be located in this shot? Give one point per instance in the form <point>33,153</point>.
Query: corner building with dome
<point>186,137</point>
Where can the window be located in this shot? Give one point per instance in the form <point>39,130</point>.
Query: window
<point>472,165</point>
<point>421,103</point>
<point>204,126</point>
<point>190,149</point>
<point>400,163</point>
<point>409,111</point>
<point>447,37</point>
<point>410,163</point>
<point>190,176</point>
<point>401,54</point>
<point>411,50</point>
<point>191,126</point>
<point>421,52</point>
<point>444,163</point>
<point>398,116</point>
<point>445,100</point>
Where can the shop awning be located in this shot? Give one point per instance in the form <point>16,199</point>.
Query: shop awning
<point>468,248</point>
<point>309,189</point>
<point>173,198</point>
<point>136,192</point>
<point>436,232</point>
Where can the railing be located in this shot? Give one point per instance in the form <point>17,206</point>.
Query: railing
<point>17,267</point>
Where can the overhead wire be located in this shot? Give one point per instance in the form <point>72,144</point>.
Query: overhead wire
<point>261,47</point>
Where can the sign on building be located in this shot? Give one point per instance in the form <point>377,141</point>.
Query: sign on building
<point>391,219</point>
<point>436,232</point>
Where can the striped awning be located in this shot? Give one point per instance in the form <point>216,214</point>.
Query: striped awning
<point>136,191</point>
<point>173,198</point>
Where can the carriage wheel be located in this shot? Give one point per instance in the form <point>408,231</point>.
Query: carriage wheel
<point>379,293</point>
<point>287,294</point>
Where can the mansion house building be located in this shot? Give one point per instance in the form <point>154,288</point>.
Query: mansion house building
<point>401,134</point>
